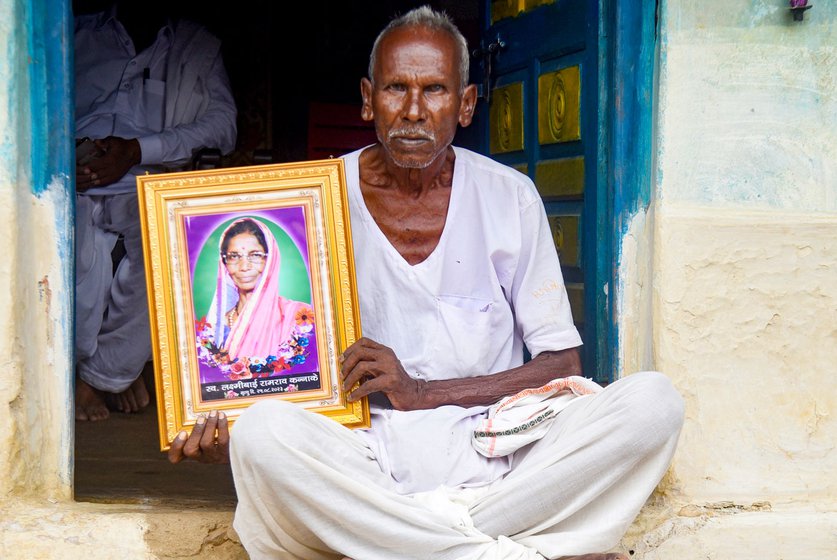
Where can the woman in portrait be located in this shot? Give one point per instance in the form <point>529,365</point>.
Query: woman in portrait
<point>248,321</point>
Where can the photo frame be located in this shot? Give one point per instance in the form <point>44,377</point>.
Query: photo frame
<point>251,290</point>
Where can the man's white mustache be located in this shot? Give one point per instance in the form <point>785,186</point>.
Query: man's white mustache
<point>412,133</point>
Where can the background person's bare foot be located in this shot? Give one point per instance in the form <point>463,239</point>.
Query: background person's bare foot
<point>132,399</point>
<point>90,406</point>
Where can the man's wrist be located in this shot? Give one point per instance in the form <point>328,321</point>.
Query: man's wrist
<point>420,392</point>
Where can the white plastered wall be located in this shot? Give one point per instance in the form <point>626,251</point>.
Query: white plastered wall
<point>743,242</point>
<point>34,304</point>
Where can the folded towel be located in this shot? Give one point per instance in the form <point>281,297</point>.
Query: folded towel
<point>525,417</point>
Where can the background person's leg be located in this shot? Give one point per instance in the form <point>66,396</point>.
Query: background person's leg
<point>578,489</point>
<point>124,341</point>
<point>94,273</point>
<point>311,489</point>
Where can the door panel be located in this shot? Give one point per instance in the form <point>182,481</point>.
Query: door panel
<point>543,119</point>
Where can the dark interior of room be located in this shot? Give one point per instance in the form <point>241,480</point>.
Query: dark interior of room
<point>283,59</point>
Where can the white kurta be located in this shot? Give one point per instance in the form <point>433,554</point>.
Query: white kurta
<point>492,284</point>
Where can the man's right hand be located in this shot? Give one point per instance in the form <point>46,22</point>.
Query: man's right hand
<point>209,441</point>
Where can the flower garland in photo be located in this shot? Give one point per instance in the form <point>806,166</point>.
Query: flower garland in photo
<point>291,353</point>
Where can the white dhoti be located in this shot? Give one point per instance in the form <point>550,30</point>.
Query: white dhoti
<point>309,488</point>
<point>113,341</point>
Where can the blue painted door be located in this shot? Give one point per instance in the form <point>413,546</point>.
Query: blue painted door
<point>544,118</point>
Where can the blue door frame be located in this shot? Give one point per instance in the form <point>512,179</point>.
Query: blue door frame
<point>628,132</point>
<point>50,35</point>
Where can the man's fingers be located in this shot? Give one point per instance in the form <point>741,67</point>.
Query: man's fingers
<point>176,449</point>
<point>208,439</point>
<point>223,430</point>
<point>366,388</point>
<point>358,352</point>
<point>193,444</point>
<point>361,371</point>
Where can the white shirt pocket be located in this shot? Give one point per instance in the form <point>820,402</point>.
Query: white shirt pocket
<point>462,346</point>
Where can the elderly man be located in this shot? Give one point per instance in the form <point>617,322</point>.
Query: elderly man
<point>456,271</point>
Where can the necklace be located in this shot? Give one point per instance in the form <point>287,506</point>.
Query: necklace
<point>232,316</point>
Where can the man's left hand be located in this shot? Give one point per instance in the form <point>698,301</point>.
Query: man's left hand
<point>119,155</point>
<point>209,441</point>
<point>378,369</point>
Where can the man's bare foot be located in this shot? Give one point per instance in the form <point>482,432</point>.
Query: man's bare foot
<point>89,403</point>
<point>132,399</point>
<point>598,556</point>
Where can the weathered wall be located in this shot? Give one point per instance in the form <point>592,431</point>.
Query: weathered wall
<point>34,274</point>
<point>744,286</point>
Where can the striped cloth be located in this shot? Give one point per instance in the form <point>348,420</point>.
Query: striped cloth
<point>525,417</point>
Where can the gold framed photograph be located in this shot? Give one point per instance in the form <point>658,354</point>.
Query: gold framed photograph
<point>251,290</point>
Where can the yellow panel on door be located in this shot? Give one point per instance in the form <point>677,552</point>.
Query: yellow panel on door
<point>560,177</point>
<point>559,106</point>
<point>502,9</point>
<point>522,167</point>
<point>532,4</point>
<point>506,119</point>
<point>565,233</point>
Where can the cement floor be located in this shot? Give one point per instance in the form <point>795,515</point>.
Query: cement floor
<point>119,461</point>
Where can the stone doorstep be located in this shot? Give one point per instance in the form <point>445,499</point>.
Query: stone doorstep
<point>34,530</point>
<point>748,535</point>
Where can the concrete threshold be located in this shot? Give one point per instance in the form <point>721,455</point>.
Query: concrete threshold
<point>35,530</point>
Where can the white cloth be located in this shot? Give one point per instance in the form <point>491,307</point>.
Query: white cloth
<point>311,489</point>
<point>116,97</point>
<point>181,104</point>
<point>492,284</point>
<point>525,417</point>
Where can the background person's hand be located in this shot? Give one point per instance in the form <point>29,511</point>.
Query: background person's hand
<point>378,369</point>
<point>117,157</point>
<point>209,441</point>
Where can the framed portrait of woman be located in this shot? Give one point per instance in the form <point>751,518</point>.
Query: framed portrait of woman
<point>251,290</point>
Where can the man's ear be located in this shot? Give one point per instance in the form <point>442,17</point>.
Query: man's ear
<point>468,105</point>
<point>366,94</point>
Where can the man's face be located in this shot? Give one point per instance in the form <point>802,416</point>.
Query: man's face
<point>415,100</point>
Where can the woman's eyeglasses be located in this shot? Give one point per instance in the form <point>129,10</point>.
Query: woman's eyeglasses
<point>255,257</point>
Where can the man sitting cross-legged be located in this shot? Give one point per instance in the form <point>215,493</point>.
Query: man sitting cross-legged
<point>456,272</point>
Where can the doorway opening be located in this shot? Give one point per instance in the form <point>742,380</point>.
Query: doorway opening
<point>295,70</point>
